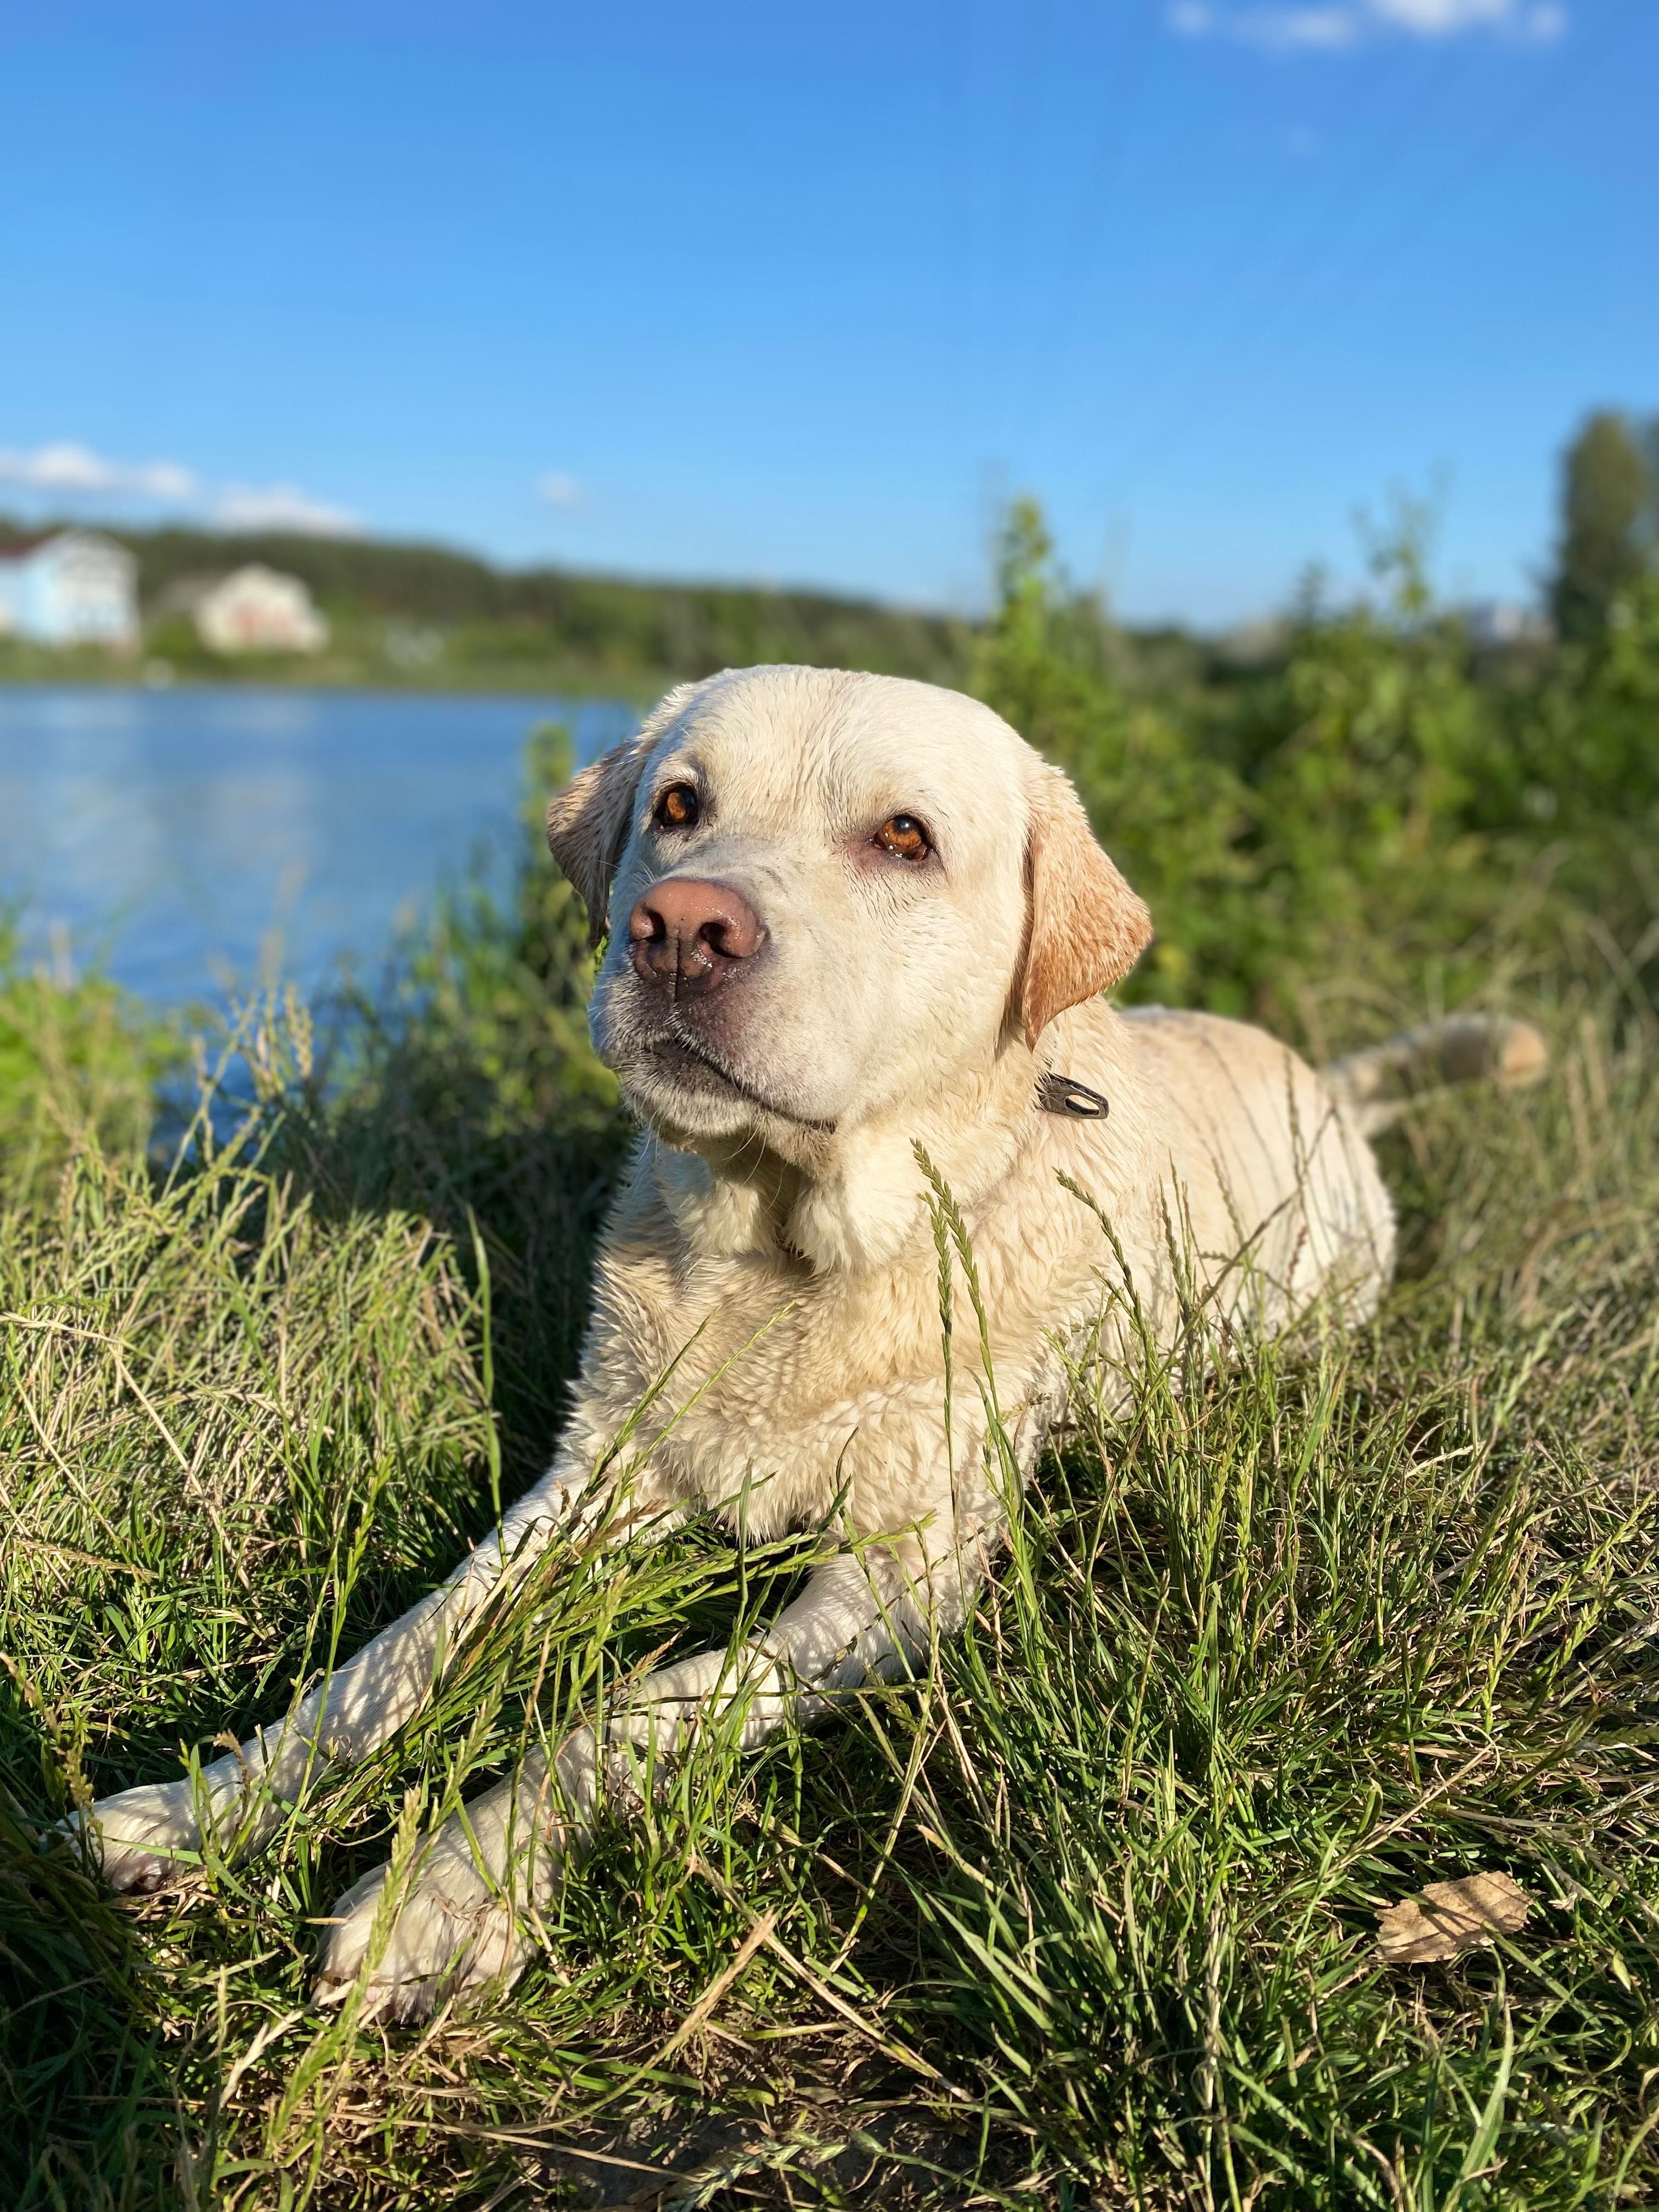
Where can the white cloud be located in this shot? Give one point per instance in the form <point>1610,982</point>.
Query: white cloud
<point>1290,30</point>
<point>66,467</point>
<point>1443,19</point>
<point>281,507</point>
<point>557,489</point>
<point>1335,26</point>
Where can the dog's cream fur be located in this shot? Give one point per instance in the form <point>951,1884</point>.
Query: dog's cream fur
<point>774,1240</point>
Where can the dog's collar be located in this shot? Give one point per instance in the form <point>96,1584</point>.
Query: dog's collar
<point>1059,1094</point>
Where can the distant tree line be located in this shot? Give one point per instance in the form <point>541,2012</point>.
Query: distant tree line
<point>679,630</point>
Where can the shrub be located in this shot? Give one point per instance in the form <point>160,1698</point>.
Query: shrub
<point>1371,814</point>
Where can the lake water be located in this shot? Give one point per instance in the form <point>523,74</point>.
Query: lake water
<point>195,841</point>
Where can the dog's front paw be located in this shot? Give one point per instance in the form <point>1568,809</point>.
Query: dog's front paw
<point>455,1935</point>
<point>143,1840</point>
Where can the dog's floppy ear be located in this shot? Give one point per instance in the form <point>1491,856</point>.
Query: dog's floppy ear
<point>587,825</point>
<point>1087,928</point>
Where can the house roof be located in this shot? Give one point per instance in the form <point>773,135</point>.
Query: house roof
<point>20,548</point>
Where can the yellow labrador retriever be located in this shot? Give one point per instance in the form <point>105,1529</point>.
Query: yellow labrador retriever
<point>850,919</point>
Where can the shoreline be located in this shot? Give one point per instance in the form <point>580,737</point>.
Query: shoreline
<point>634,686</point>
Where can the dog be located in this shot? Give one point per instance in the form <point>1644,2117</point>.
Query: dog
<point>857,935</point>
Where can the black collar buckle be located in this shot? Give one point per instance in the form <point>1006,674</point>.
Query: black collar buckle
<point>1059,1094</point>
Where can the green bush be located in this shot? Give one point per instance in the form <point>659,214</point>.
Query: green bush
<point>1372,814</point>
<point>80,1063</point>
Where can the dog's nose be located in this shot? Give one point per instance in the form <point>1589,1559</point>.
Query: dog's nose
<point>692,935</point>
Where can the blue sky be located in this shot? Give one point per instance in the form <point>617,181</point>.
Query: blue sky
<point>800,294</point>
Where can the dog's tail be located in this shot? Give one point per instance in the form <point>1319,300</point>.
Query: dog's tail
<point>1377,1085</point>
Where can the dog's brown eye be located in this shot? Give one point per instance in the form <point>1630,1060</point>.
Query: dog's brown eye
<point>904,838</point>
<point>677,807</point>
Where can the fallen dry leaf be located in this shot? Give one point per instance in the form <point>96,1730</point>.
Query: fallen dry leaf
<point>1450,1916</point>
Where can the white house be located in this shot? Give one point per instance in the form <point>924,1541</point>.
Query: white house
<point>74,588</point>
<point>256,610</point>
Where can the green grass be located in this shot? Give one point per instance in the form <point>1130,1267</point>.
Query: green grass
<point>73,1057</point>
<point>1086,1913</point>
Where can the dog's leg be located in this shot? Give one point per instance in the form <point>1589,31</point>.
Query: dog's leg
<point>142,1837</point>
<point>467,1917</point>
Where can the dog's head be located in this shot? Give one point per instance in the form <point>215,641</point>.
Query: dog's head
<point>833,904</point>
